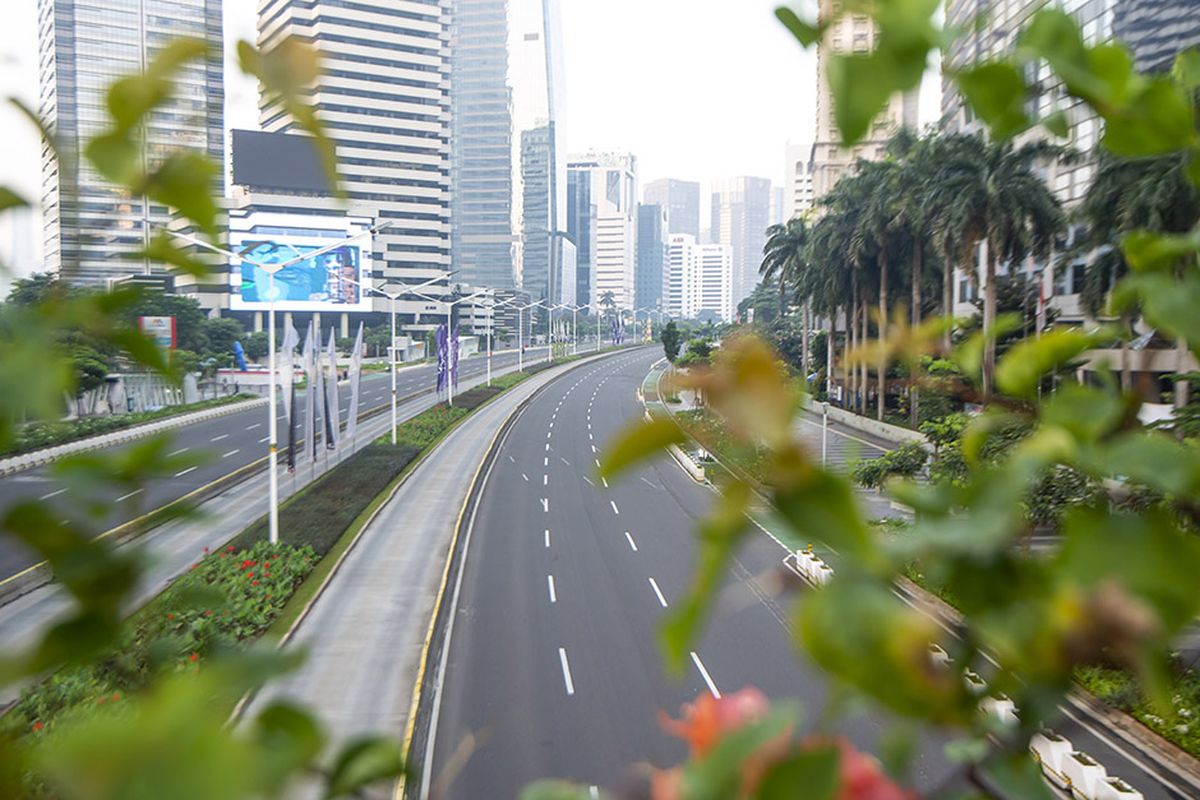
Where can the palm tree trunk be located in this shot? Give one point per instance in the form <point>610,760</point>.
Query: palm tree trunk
<point>805,321</point>
<point>883,323</point>
<point>989,323</point>
<point>1181,387</point>
<point>914,392</point>
<point>947,296</point>
<point>851,345</point>
<point>847,337</point>
<point>864,370</point>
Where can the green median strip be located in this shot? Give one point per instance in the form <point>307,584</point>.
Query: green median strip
<point>249,589</point>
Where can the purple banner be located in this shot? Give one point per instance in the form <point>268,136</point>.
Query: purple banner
<point>454,357</point>
<point>442,359</point>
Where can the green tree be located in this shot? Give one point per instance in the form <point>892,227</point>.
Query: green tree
<point>671,341</point>
<point>220,334</point>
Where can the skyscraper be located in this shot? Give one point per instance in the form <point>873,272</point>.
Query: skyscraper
<point>682,285</point>
<point>741,214</point>
<point>651,255</point>
<point>715,284</point>
<point>799,189</point>
<point>481,165</point>
<point>384,99</point>
<point>851,33</point>
<point>1157,30</point>
<point>538,101</point>
<point>612,210</point>
<point>581,228</point>
<point>92,229</point>
<point>681,199</point>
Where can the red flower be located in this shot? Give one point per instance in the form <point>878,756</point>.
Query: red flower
<point>170,616</point>
<point>254,583</point>
<point>229,549</point>
<point>115,697</point>
<point>708,719</point>
<point>266,564</point>
<point>195,565</point>
<point>208,612</point>
<point>193,657</point>
<point>249,574</point>
<point>206,550</point>
<point>37,726</point>
<point>247,563</point>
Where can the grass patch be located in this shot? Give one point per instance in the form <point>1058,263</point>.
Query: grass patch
<point>39,435</point>
<point>1179,724</point>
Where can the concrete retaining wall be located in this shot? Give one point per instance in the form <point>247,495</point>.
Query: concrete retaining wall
<point>883,430</point>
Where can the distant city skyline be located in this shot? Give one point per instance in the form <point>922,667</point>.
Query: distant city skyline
<point>654,101</point>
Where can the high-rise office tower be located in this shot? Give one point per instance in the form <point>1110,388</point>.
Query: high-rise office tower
<point>481,164</point>
<point>682,285</point>
<point>741,214</point>
<point>851,33</point>
<point>384,98</point>
<point>715,284</point>
<point>798,201</point>
<point>91,229</point>
<point>581,228</point>
<point>612,210</point>
<point>1157,30</point>
<point>651,255</point>
<point>681,199</point>
<point>538,102</point>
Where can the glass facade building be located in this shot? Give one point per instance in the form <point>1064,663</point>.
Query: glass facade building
<point>92,230</point>
<point>651,255</point>
<point>681,201</point>
<point>481,171</point>
<point>581,227</point>
<point>1157,30</point>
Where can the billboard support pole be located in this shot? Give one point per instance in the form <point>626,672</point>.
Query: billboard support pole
<point>272,467</point>
<point>393,299</point>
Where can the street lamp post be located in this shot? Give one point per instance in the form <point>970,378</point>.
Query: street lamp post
<point>824,432</point>
<point>273,427</point>
<point>393,297</point>
<point>449,321</point>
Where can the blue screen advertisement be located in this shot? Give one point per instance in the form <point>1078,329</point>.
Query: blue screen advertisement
<point>330,279</point>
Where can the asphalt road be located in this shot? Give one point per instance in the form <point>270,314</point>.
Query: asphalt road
<point>553,663</point>
<point>552,668</point>
<point>219,446</point>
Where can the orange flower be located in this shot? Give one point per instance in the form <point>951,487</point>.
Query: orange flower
<point>37,726</point>
<point>115,697</point>
<point>193,656</point>
<point>708,719</point>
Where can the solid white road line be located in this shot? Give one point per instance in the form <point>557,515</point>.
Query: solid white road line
<point>125,497</point>
<point>658,592</point>
<point>231,453</point>
<point>712,687</point>
<point>184,472</point>
<point>219,438</point>
<point>613,503</point>
<point>550,584</point>
<point>629,539</point>
<point>566,668</point>
<point>52,494</point>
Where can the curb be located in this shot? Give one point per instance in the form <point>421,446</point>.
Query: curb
<point>47,455</point>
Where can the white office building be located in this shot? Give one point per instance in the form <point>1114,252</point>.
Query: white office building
<point>741,214</point>
<point>799,189</point>
<point>384,98</point>
<point>715,284</point>
<point>682,282</point>
<point>611,181</point>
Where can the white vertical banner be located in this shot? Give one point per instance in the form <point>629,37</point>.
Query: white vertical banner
<point>287,368</point>
<point>331,395</point>
<point>310,391</point>
<point>356,359</point>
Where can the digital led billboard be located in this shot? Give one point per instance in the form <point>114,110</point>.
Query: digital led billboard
<point>330,281</point>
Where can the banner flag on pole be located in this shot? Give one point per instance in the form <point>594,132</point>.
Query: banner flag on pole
<point>442,364</point>
<point>454,358</point>
<point>322,396</point>
<point>310,391</point>
<point>333,416</point>
<point>356,359</point>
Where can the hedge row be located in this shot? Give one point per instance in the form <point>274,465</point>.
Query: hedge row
<point>38,435</point>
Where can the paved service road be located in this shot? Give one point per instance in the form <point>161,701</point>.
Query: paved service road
<point>221,446</point>
<point>552,668</point>
<point>553,663</point>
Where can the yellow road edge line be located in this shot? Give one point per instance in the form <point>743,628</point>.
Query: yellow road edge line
<point>423,664</point>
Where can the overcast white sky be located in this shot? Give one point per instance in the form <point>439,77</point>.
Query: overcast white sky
<point>696,89</point>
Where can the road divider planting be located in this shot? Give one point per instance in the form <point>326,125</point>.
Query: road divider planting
<point>248,588</point>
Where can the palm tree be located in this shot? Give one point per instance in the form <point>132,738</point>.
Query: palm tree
<point>993,193</point>
<point>829,280</point>
<point>784,260</point>
<point>1128,195</point>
